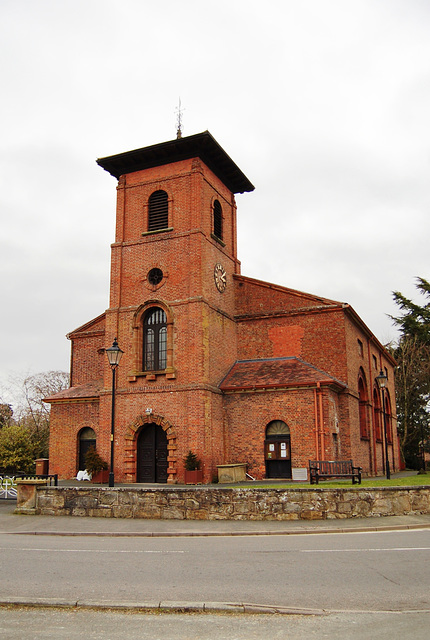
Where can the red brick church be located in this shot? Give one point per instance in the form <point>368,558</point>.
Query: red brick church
<point>235,369</point>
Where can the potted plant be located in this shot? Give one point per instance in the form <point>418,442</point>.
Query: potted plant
<point>96,466</point>
<point>192,474</point>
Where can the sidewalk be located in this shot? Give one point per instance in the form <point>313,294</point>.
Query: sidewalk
<point>85,526</point>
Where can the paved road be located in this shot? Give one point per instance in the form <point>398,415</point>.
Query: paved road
<point>358,571</point>
<point>48,624</point>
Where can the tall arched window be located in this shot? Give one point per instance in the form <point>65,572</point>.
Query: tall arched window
<point>154,340</point>
<point>217,220</point>
<point>388,418</point>
<point>362,400</point>
<point>377,415</point>
<point>158,211</point>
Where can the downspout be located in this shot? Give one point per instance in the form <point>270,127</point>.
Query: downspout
<point>321,421</point>
<point>373,439</point>
<point>316,425</point>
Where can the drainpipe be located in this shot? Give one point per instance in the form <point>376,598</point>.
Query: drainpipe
<point>373,457</point>
<point>321,421</point>
<point>316,425</point>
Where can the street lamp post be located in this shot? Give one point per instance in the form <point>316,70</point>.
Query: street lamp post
<point>114,354</point>
<point>382,382</point>
<point>423,450</point>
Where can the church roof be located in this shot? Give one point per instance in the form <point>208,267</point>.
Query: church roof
<point>275,372</point>
<point>200,145</point>
<point>82,391</point>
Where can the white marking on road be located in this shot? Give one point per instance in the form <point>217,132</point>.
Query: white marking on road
<point>361,550</point>
<point>88,550</point>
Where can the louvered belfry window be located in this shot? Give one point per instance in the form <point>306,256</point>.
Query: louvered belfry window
<point>155,340</point>
<point>158,211</point>
<point>217,220</point>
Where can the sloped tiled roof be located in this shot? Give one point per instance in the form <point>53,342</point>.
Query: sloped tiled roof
<point>88,390</point>
<point>275,372</point>
<point>94,325</point>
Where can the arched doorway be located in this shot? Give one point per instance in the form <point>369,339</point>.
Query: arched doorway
<point>277,450</point>
<point>151,454</point>
<point>87,439</point>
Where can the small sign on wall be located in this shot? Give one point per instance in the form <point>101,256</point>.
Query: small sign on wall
<point>300,473</point>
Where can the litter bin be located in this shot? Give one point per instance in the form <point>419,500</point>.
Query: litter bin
<point>42,466</point>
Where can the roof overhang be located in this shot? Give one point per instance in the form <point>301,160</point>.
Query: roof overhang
<point>200,145</point>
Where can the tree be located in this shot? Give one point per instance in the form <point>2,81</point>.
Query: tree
<point>16,450</point>
<point>33,413</point>
<point>28,440</point>
<point>412,376</point>
<point>6,413</point>
<point>415,321</point>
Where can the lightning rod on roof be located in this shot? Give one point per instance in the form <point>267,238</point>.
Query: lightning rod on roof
<point>179,112</point>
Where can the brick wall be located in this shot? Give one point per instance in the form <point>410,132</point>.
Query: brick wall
<point>87,360</point>
<point>207,332</point>
<point>67,420</point>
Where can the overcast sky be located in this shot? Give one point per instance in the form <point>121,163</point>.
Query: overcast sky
<point>323,104</point>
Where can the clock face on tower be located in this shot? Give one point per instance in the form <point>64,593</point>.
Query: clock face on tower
<point>220,277</point>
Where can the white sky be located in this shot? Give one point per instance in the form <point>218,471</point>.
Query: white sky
<point>323,104</point>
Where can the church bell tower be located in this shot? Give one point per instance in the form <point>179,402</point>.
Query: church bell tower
<point>171,291</point>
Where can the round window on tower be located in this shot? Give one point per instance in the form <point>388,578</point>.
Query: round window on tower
<point>155,276</point>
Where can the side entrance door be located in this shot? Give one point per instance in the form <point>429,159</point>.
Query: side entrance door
<point>87,439</point>
<point>151,454</point>
<point>278,458</point>
<point>277,450</point>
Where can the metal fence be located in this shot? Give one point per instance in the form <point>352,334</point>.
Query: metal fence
<point>8,483</point>
<point>7,487</point>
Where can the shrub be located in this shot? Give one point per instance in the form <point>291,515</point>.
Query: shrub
<point>94,462</point>
<point>191,462</point>
<point>16,449</point>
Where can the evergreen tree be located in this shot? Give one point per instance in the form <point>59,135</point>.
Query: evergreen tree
<point>412,353</point>
<point>415,321</point>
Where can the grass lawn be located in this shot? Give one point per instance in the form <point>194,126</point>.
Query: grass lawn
<point>408,481</point>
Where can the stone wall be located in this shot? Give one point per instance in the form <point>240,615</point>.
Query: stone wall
<point>199,503</point>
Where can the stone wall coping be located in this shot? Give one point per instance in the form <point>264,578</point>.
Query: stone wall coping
<point>233,464</point>
<point>188,489</point>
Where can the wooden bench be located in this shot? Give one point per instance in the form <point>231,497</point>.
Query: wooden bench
<point>333,469</point>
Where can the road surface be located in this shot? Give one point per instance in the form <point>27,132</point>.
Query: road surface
<point>333,572</point>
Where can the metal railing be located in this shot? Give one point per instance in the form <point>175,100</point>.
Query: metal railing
<point>8,489</point>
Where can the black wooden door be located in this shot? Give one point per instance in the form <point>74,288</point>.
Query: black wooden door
<point>278,456</point>
<point>152,454</point>
<point>87,439</point>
